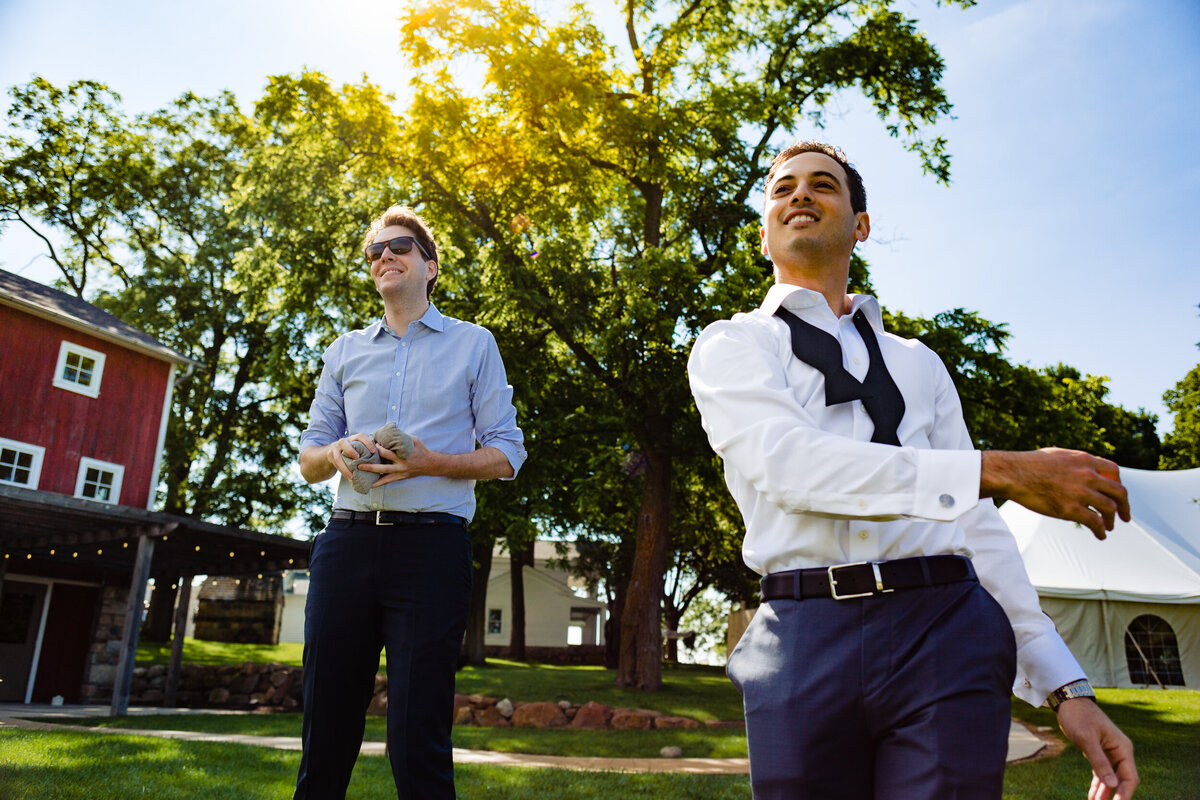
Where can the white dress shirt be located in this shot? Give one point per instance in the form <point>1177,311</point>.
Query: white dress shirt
<point>815,491</point>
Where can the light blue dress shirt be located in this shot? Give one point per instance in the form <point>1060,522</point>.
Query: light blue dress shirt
<point>443,382</point>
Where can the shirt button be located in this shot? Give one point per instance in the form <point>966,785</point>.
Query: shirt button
<point>856,360</point>
<point>947,501</point>
<point>404,344</point>
<point>862,504</point>
<point>394,408</point>
<point>397,374</point>
<point>863,534</point>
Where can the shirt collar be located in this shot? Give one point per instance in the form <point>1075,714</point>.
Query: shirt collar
<point>798,298</point>
<point>432,319</point>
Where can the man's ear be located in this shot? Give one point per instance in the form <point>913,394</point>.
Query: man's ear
<point>862,226</point>
<point>762,232</point>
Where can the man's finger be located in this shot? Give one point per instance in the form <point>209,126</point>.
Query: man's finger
<point>1101,768</point>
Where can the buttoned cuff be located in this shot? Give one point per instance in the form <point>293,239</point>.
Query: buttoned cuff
<point>947,483</point>
<point>516,455</point>
<point>1043,665</point>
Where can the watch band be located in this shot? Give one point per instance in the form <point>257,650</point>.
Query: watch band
<point>1080,688</point>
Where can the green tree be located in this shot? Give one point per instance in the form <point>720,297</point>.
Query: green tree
<point>608,186</point>
<point>1181,447</point>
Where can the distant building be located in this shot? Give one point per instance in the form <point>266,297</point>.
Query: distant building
<point>559,610</point>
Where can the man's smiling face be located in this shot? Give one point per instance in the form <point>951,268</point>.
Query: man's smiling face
<point>405,274</point>
<point>808,215</point>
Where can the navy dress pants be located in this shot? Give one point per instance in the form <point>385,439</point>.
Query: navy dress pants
<point>403,587</point>
<point>902,695</point>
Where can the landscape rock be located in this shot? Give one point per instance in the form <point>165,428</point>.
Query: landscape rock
<point>671,751</point>
<point>539,715</point>
<point>505,707</point>
<point>592,716</point>
<point>624,719</point>
<point>378,705</point>
<point>661,723</point>
<point>492,718</point>
<point>463,715</point>
<point>218,696</point>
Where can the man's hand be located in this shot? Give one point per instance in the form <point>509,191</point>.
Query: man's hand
<point>1114,775</point>
<point>422,461</point>
<point>1059,483</point>
<point>339,451</point>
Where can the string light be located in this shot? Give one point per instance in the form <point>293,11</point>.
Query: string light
<point>197,548</point>
<point>99,551</point>
<point>124,544</point>
<point>74,555</point>
<point>29,555</point>
<point>51,551</point>
<point>231,554</point>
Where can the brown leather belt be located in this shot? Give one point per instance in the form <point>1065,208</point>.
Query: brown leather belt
<point>399,517</point>
<point>866,578</point>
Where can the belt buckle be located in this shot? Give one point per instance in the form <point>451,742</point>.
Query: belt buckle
<point>379,519</point>
<point>833,592</point>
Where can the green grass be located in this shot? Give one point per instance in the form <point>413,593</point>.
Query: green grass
<point>199,651</point>
<point>37,765</point>
<point>1164,727</point>
<point>695,743</point>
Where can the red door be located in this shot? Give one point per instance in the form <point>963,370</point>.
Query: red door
<point>65,643</point>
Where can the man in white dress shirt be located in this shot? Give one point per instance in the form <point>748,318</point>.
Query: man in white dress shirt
<point>845,445</point>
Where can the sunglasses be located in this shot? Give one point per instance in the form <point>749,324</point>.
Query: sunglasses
<point>399,246</point>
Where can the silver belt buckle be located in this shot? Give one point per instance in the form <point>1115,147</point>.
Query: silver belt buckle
<point>833,592</point>
<point>379,519</point>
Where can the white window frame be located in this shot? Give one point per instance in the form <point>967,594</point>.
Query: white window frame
<point>65,350</point>
<point>118,473</point>
<point>35,468</point>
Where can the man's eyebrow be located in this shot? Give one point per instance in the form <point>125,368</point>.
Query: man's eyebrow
<point>783,176</point>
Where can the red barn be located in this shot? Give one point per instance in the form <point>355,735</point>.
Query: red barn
<point>84,404</point>
<point>84,397</point>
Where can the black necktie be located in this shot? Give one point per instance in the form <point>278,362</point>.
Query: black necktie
<point>879,394</point>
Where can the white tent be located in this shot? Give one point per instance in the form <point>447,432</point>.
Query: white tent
<point>1128,606</point>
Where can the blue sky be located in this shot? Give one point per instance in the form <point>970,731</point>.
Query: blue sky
<point>1074,176</point>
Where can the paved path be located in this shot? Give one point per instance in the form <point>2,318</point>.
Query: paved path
<point>1022,743</point>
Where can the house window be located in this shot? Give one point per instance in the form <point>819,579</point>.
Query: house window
<point>20,463</point>
<point>99,480</point>
<point>79,369</point>
<point>494,625</point>
<point>1152,652</point>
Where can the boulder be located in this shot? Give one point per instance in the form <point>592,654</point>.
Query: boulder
<point>505,707</point>
<point>593,715</point>
<point>152,697</point>
<point>628,719</point>
<point>671,751</point>
<point>491,718</point>
<point>675,722</point>
<point>463,715</point>
<point>539,715</point>
<point>218,696</point>
<point>378,705</point>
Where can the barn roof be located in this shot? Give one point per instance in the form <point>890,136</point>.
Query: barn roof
<point>51,304</point>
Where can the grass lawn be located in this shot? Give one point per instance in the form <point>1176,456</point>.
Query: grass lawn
<point>199,651</point>
<point>697,743</point>
<point>1164,727</point>
<point>83,766</point>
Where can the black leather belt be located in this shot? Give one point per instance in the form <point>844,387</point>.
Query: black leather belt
<point>399,517</point>
<point>866,578</point>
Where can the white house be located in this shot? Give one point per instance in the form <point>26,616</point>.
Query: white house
<point>559,610</point>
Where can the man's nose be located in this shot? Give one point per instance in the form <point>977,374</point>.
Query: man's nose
<point>801,194</point>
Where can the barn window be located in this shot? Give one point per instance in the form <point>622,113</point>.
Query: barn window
<point>79,369</point>
<point>494,625</point>
<point>20,463</point>
<point>99,480</point>
<point>1152,652</point>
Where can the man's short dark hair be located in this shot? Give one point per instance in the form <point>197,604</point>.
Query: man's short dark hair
<point>858,192</point>
<point>407,218</point>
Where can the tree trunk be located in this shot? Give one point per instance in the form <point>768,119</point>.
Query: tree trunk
<point>162,610</point>
<point>612,628</point>
<point>641,626</point>
<point>519,557</point>
<point>473,642</point>
<point>672,618</point>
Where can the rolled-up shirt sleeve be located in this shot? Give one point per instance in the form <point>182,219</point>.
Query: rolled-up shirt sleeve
<point>756,424</point>
<point>327,414</point>
<point>492,405</point>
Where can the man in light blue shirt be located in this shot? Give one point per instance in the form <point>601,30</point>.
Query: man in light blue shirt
<point>393,566</point>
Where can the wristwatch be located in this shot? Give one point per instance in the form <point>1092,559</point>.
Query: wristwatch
<point>1080,688</point>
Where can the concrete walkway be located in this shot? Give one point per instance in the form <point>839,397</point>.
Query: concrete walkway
<point>1022,743</point>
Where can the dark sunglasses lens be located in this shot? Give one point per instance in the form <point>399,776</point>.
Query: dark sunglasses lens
<point>400,245</point>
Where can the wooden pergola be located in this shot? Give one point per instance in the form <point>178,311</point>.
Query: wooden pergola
<point>46,528</point>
